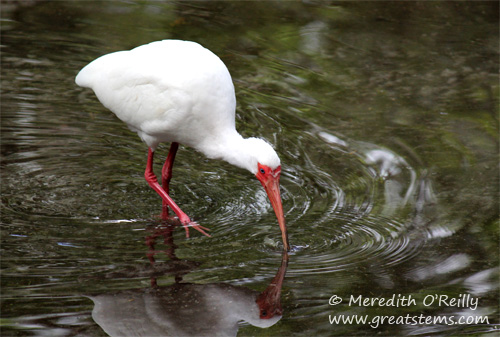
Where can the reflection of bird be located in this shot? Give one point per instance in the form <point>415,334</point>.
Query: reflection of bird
<point>179,92</point>
<point>179,310</point>
<point>184,309</point>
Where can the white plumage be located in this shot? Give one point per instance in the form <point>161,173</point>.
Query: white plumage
<point>176,91</point>
<point>180,92</point>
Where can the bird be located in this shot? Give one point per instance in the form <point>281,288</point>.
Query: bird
<point>180,92</point>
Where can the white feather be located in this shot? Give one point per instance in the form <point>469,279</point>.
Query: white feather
<point>176,91</point>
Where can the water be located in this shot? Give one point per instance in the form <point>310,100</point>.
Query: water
<point>386,122</point>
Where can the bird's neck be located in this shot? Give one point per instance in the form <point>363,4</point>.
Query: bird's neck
<point>232,148</point>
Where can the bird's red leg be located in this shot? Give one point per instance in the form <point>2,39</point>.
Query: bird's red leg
<point>153,182</point>
<point>166,175</point>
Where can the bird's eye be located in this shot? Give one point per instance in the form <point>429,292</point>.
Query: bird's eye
<point>262,171</point>
<point>263,313</point>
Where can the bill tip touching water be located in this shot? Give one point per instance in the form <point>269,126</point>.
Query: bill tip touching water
<point>180,92</point>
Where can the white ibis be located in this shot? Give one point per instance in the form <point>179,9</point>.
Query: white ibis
<point>180,92</point>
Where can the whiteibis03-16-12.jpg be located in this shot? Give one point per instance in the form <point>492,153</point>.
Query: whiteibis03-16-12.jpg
<point>180,92</point>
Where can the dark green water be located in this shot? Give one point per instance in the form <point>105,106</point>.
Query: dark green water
<point>385,116</point>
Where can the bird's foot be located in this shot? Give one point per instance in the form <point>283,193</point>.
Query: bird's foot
<point>186,222</point>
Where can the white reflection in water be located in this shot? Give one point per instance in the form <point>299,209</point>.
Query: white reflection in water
<point>449,265</point>
<point>389,166</point>
<point>483,282</point>
<point>179,310</point>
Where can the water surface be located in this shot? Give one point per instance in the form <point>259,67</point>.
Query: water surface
<point>385,116</point>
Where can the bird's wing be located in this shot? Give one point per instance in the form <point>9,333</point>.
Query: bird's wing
<point>171,90</point>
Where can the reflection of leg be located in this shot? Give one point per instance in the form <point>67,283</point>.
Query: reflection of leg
<point>174,266</point>
<point>168,239</point>
<point>150,242</point>
<point>166,175</point>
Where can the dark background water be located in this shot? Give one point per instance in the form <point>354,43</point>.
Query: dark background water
<point>385,116</point>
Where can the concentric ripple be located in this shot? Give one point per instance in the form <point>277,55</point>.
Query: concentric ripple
<point>357,217</point>
<point>345,204</point>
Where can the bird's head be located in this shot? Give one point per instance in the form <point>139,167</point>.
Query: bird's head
<point>267,169</point>
<point>258,156</point>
